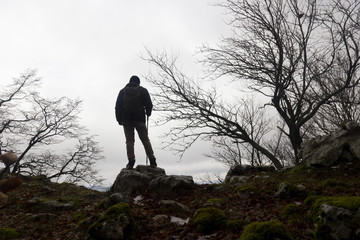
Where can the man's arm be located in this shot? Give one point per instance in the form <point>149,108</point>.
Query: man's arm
<point>147,102</point>
<point>118,108</point>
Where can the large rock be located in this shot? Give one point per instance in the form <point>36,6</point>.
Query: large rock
<point>172,183</point>
<point>176,208</point>
<point>150,171</point>
<point>115,198</point>
<point>49,206</point>
<point>131,180</point>
<point>337,223</point>
<point>117,223</point>
<point>342,144</point>
<point>237,172</point>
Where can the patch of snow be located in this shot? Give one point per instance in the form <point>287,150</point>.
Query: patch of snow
<point>138,199</point>
<point>179,221</point>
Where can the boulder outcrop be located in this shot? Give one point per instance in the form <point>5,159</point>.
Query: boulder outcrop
<point>337,218</point>
<point>342,144</point>
<point>172,183</point>
<point>116,223</point>
<point>238,172</point>
<point>153,179</point>
<point>176,208</point>
<point>132,180</point>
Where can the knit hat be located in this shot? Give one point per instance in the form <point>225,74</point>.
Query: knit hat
<point>135,80</point>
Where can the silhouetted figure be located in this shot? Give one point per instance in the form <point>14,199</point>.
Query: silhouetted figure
<point>132,104</point>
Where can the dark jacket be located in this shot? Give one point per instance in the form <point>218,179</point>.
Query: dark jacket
<point>122,118</point>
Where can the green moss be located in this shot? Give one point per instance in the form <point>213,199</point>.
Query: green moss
<point>312,199</point>
<point>213,186</point>
<point>112,213</point>
<point>101,204</point>
<point>348,202</point>
<point>291,191</point>
<point>216,202</point>
<point>299,169</point>
<point>266,231</point>
<point>84,224</point>
<point>8,233</point>
<point>289,210</point>
<point>209,219</point>
<point>322,232</point>
<point>78,216</point>
<point>246,189</point>
<point>236,225</point>
<point>330,182</point>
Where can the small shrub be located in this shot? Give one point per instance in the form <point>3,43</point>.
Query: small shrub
<point>289,210</point>
<point>299,169</point>
<point>245,191</point>
<point>266,231</point>
<point>209,219</point>
<point>246,188</point>
<point>330,182</point>
<point>8,233</point>
<point>311,199</point>
<point>215,202</point>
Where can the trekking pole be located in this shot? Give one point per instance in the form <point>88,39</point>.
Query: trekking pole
<point>147,132</point>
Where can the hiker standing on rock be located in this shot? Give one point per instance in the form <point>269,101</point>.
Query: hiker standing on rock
<point>132,104</point>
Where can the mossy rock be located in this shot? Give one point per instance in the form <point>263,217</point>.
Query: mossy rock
<point>117,221</point>
<point>215,202</point>
<point>288,190</point>
<point>215,186</point>
<point>312,199</point>
<point>209,219</point>
<point>266,231</point>
<point>323,230</point>
<point>330,182</point>
<point>289,210</point>
<point>8,233</point>
<point>299,169</point>
<point>246,190</point>
<point>350,203</point>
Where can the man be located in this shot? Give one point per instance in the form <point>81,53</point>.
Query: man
<point>132,104</point>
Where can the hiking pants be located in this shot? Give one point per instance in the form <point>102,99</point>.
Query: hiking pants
<point>130,139</point>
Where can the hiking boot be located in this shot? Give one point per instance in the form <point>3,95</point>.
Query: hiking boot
<point>153,162</point>
<point>130,164</point>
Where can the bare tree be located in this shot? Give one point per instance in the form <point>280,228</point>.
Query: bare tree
<point>199,114</point>
<point>342,108</point>
<point>291,52</point>
<point>300,55</point>
<point>76,166</point>
<point>10,98</point>
<point>258,124</point>
<point>32,126</point>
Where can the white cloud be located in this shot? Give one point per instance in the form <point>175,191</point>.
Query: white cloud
<point>90,48</point>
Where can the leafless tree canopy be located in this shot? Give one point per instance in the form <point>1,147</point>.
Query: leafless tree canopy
<point>31,126</point>
<point>197,113</point>
<point>303,56</point>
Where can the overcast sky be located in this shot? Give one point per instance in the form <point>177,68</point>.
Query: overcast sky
<point>89,49</point>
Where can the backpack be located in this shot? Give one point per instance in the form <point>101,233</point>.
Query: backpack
<point>132,101</point>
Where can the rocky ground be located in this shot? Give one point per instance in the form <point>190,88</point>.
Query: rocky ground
<point>25,217</point>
